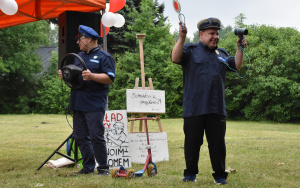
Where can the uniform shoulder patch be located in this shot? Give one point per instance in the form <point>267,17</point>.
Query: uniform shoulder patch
<point>223,50</point>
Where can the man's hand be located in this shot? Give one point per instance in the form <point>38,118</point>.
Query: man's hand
<point>182,30</point>
<point>239,54</point>
<point>244,42</point>
<point>60,74</point>
<point>87,75</point>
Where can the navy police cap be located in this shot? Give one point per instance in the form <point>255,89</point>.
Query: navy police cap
<point>87,32</point>
<point>209,23</point>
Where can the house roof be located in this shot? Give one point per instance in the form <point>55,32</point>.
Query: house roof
<point>45,54</point>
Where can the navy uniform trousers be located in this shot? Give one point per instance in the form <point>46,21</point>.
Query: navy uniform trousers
<point>214,127</point>
<point>89,134</point>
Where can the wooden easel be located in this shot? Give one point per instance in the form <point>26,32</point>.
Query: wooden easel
<point>157,118</point>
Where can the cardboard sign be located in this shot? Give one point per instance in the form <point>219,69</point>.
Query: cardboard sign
<point>145,101</point>
<point>138,147</point>
<point>116,133</point>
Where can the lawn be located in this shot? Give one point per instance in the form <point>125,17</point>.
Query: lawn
<point>259,154</point>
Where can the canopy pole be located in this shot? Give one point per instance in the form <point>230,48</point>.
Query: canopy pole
<point>104,48</point>
<point>104,34</point>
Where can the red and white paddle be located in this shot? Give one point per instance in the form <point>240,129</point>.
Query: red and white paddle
<point>177,8</point>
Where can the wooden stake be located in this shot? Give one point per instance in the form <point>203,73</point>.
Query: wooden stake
<point>141,36</point>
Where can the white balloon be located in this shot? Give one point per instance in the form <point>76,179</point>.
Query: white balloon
<point>108,19</point>
<point>9,7</point>
<point>120,20</point>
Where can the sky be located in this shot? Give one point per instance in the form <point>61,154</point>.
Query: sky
<point>277,13</point>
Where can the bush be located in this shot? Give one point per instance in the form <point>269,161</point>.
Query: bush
<point>271,89</point>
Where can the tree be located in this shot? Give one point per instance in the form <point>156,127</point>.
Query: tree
<point>117,43</point>
<point>19,65</point>
<point>196,37</point>
<point>176,37</point>
<point>239,20</point>
<point>53,35</point>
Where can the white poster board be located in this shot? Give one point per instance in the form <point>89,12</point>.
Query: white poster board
<point>145,101</point>
<point>116,133</point>
<point>159,147</point>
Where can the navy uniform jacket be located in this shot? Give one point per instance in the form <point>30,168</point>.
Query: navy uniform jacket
<point>204,72</point>
<point>93,95</point>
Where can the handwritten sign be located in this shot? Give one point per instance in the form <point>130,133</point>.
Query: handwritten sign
<point>145,101</point>
<point>138,147</point>
<point>115,123</point>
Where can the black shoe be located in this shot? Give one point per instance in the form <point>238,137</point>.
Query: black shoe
<point>190,178</point>
<point>220,181</point>
<point>84,171</point>
<point>103,172</point>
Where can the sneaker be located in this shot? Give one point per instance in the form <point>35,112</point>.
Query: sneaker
<point>220,181</point>
<point>191,178</point>
<point>103,172</point>
<point>84,171</point>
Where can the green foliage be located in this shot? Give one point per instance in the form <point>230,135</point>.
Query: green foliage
<point>224,31</point>
<point>271,89</point>
<point>19,65</point>
<point>157,47</point>
<point>53,96</point>
<point>116,43</point>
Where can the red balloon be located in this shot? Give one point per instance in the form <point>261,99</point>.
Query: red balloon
<point>106,29</point>
<point>116,5</point>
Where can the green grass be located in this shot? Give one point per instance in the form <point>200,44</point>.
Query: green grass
<point>263,155</point>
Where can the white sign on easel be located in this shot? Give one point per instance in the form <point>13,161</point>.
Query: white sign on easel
<point>145,101</point>
<point>159,147</point>
<point>116,137</point>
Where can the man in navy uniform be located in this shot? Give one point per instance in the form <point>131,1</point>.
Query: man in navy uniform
<point>88,103</point>
<point>204,66</point>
